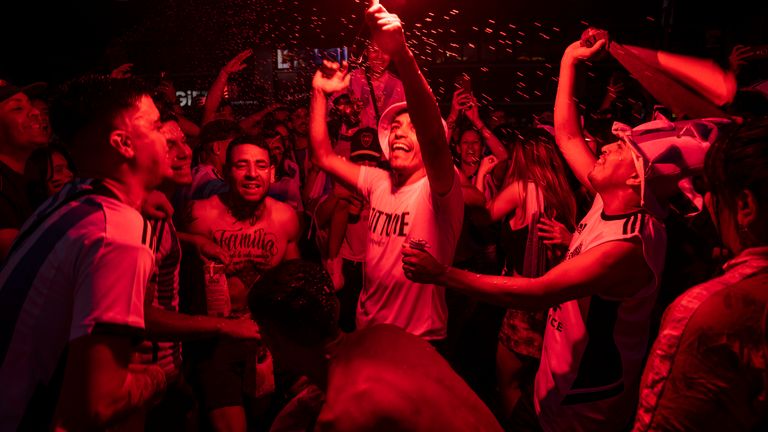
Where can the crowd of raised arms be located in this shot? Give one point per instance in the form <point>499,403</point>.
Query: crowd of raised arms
<point>366,262</point>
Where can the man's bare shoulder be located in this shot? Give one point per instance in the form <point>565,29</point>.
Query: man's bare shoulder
<point>380,405</point>
<point>279,209</point>
<point>203,211</point>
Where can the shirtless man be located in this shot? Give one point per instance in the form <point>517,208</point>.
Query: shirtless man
<point>379,378</point>
<point>257,232</point>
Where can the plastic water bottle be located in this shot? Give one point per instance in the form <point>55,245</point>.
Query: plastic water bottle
<point>216,290</point>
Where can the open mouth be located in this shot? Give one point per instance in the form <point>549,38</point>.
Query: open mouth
<point>181,167</point>
<point>251,186</point>
<point>398,146</point>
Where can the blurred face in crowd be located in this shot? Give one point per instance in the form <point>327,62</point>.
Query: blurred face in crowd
<point>300,121</point>
<point>347,110</point>
<point>42,107</point>
<point>149,158</point>
<point>22,127</point>
<point>377,60</point>
<point>249,172</point>
<point>60,173</point>
<point>404,149</point>
<point>179,154</point>
<point>282,130</point>
<point>471,148</point>
<point>281,114</point>
<point>276,148</point>
<point>615,167</point>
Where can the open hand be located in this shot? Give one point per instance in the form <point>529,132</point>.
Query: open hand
<point>332,77</point>
<point>737,57</point>
<point>236,64</point>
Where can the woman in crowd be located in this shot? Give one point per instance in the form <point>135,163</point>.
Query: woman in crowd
<point>286,186</point>
<point>535,192</point>
<point>47,170</point>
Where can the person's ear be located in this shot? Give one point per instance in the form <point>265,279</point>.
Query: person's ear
<point>634,181</point>
<point>746,209</point>
<point>121,141</point>
<point>272,174</point>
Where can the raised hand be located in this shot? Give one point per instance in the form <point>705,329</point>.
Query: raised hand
<point>459,102</point>
<point>236,64</point>
<point>472,112</point>
<point>386,29</point>
<point>737,57</point>
<point>592,43</point>
<point>331,77</point>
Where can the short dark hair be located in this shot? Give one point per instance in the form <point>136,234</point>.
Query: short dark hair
<point>219,130</point>
<point>165,108</point>
<point>88,106</point>
<point>257,140</point>
<point>737,162</point>
<point>297,297</point>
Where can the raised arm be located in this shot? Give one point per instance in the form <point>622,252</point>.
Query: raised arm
<point>388,34</point>
<point>494,144</point>
<point>568,132</point>
<point>252,120</point>
<point>216,92</point>
<point>330,78</point>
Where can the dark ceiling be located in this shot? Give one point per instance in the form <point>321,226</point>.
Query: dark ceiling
<point>53,41</point>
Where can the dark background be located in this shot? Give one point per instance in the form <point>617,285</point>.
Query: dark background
<point>510,48</point>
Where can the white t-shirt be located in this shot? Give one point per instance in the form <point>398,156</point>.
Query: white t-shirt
<point>396,216</point>
<point>356,238</point>
<point>84,269</point>
<point>594,347</point>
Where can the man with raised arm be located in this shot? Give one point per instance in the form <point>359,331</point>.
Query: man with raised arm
<point>419,201</point>
<point>601,296</point>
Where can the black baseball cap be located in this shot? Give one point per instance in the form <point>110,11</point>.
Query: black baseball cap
<point>365,146</point>
<point>7,89</point>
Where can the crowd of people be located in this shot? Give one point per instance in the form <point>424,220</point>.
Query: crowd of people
<point>358,263</point>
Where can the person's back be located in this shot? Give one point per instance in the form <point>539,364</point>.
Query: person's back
<point>43,310</point>
<point>717,378</point>
<point>383,378</point>
<point>707,369</point>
